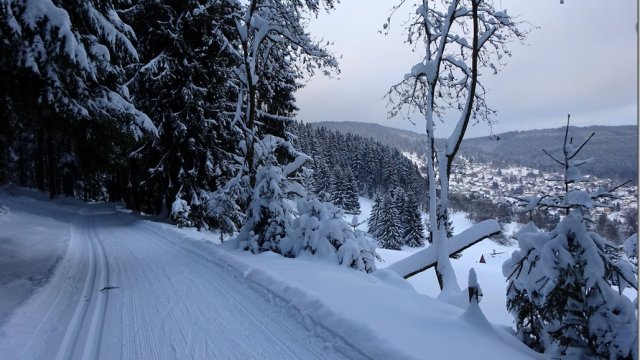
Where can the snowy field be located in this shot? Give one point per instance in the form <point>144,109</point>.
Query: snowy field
<point>126,287</point>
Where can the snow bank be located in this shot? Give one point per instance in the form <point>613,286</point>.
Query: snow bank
<point>28,253</point>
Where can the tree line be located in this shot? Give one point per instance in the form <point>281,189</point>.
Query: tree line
<point>119,101</point>
<point>346,165</point>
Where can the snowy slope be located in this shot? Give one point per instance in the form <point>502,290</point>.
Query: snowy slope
<point>174,294</point>
<point>489,273</point>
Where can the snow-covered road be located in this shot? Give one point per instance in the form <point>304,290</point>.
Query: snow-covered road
<point>126,290</point>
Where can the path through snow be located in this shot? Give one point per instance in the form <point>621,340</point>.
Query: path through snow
<point>126,290</point>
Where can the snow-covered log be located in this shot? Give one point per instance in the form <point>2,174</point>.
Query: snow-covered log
<point>427,258</point>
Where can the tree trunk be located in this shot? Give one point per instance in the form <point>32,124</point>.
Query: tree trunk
<point>52,167</point>
<point>40,161</point>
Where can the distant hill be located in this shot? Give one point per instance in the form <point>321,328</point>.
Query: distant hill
<point>403,140</point>
<point>613,148</point>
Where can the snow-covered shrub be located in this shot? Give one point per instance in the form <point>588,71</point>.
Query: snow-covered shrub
<point>285,219</point>
<point>565,286</point>
<point>180,212</point>
<point>320,229</point>
<point>560,293</point>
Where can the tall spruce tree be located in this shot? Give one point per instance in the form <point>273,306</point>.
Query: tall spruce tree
<point>68,92</point>
<point>321,179</point>
<point>389,233</point>
<point>374,222</point>
<point>184,83</point>
<point>413,234</point>
<point>351,203</point>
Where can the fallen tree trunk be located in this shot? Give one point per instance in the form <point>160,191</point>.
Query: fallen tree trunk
<point>427,258</point>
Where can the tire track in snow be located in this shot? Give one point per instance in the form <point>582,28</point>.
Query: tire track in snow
<point>339,343</point>
<point>90,309</point>
<point>94,336</point>
<point>203,309</point>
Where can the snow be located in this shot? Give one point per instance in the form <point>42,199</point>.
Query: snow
<point>57,18</point>
<point>428,255</point>
<point>28,252</point>
<point>493,303</point>
<point>174,293</point>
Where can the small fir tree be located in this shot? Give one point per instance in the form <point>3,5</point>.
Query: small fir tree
<point>560,284</point>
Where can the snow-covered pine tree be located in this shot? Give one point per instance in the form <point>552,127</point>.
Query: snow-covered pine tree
<point>338,187</point>
<point>320,230</point>
<point>413,234</point>
<point>389,233</point>
<point>560,284</point>
<point>373,222</point>
<point>184,82</point>
<point>524,297</point>
<point>265,227</point>
<point>398,197</point>
<point>321,179</point>
<point>286,219</point>
<point>69,92</point>
<point>351,202</point>
<point>390,176</point>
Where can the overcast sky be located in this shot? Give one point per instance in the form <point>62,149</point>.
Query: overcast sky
<point>581,60</point>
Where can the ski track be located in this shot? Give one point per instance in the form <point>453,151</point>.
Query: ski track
<point>170,303</point>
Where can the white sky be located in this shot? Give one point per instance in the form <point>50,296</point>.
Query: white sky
<point>582,60</point>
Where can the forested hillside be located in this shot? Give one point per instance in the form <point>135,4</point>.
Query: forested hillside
<point>613,148</point>
<point>340,159</point>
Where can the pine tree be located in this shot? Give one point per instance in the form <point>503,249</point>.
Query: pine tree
<point>338,187</point>
<point>68,91</point>
<point>560,283</point>
<point>389,233</point>
<point>351,201</point>
<point>321,179</point>
<point>413,234</point>
<point>185,83</point>
<point>374,222</point>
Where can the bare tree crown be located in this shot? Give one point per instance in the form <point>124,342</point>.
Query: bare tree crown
<point>442,79</point>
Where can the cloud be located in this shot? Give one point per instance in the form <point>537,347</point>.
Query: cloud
<point>582,60</point>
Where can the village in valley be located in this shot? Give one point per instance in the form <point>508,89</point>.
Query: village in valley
<point>503,186</point>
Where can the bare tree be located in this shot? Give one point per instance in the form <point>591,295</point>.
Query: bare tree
<point>459,38</point>
<point>273,40</point>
